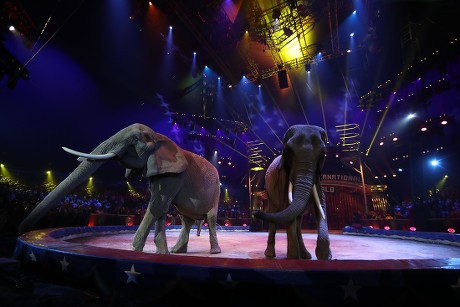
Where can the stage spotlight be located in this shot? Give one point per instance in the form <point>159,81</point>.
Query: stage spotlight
<point>444,120</point>
<point>308,67</point>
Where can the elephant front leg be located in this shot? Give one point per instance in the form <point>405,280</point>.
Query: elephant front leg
<point>304,254</point>
<point>182,241</point>
<point>143,231</point>
<point>293,251</point>
<point>323,250</point>
<point>270,250</point>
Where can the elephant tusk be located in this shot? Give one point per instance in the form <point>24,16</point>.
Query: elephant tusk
<point>315,196</point>
<point>318,203</point>
<point>84,156</point>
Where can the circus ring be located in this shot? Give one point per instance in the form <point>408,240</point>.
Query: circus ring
<point>99,258</point>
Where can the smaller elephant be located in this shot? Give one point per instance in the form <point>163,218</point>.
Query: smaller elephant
<point>293,186</point>
<point>175,176</point>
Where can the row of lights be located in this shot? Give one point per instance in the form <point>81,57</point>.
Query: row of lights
<point>443,120</point>
<point>413,228</point>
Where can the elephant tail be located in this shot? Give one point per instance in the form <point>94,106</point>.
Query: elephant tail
<point>75,179</point>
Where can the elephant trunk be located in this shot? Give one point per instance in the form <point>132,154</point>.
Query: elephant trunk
<point>76,178</point>
<point>302,191</point>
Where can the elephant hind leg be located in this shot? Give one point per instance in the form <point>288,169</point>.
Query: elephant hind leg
<point>182,241</point>
<point>270,250</point>
<point>212,224</point>
<point>160,236</point>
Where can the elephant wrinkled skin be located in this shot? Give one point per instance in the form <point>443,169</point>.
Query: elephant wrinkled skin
<point>175,175</point>
<point>293,186</point>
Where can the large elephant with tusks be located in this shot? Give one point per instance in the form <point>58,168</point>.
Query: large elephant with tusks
<point>175,176</point>
<point>293,184</point>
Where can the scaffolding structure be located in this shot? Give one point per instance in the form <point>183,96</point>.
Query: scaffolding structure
<point>276,27</point>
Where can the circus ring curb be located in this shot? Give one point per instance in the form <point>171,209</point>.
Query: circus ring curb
<point>160,278</point>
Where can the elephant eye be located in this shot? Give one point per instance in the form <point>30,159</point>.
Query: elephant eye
<point>145,137</point>
<point>316,140</point>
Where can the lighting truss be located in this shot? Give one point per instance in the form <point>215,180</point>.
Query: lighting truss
<point>349,135</point>
<point>255,158</point>
<point>276,28</point>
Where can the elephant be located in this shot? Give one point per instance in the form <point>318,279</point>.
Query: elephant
<point>175,176</point>
<point>293,186</point>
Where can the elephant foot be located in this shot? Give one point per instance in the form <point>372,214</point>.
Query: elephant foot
<point>162,252</point>
<point>322,251</point>
<point>302,254</point>
<point>295,256</point>
<point>138,247</point>
<point>305,255</point>
<point>179,249</point>
<point>215,250</point>
<point>270,252</point>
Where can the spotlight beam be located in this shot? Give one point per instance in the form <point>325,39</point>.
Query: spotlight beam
<point>294,88</point>
<point>252,130</point>
<point>390,102</point>
<point>321,104</point>
<point>268,125</point>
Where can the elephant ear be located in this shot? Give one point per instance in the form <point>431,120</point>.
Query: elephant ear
<point>167,158</point>
<point>280,181</point>
<point>284,162</point>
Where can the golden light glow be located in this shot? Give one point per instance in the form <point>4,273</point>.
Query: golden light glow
<point>50,183</point>
<point>132,192</point>
<point>441,183</point>
<point>291,51</point>
<point>89,189</point>
<point>4,171</point>
<point>291,33</point>
<point>227,198</point>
